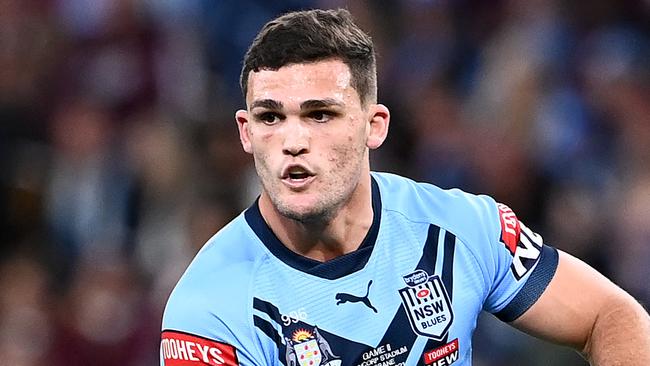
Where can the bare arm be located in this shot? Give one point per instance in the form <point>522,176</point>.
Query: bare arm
<point>583,309</point>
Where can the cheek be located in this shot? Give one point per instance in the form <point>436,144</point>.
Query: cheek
<point>266,138</point>
<point>260,157</point>
<point>347,154</point>
<point>260,137</point>
<point>260,144</point>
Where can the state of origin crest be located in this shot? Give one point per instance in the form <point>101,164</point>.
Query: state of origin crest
<point>309,348</point>
<point>427,304</point>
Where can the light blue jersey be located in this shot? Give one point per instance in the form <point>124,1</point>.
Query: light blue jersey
<point>432,260</point>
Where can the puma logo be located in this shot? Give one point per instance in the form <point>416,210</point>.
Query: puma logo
<point>343,298</point>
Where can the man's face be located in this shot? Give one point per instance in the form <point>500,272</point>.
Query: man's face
<point>308,134</point>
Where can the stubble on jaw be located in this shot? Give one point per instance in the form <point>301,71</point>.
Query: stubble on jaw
<point>315,218</point>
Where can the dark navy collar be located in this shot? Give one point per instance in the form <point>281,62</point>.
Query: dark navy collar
<point>331,269</point>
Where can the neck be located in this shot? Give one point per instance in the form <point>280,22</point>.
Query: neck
<point>329,237</point>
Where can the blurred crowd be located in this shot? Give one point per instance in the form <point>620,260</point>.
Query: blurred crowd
<point>119,154</point>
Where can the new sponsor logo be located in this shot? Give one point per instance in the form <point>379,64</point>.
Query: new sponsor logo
<point>442,356</point>
<point>510,229</point>
<point>427,304</point>
<point>416,278</point>
<point>528,250</point>
<point>309,348</point>
<point>182,349</point>
<point>523,244</point>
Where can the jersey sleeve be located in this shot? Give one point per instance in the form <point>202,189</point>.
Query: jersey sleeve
<point>521,266</point>
<point>204,325</point>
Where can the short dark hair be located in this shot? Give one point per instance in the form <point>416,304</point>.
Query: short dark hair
<point>310,36</point>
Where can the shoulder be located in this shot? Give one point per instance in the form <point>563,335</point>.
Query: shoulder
<point>453,209</point>
<point>215,287</point>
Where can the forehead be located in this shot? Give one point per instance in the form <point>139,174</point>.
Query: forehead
<point>299,82</point>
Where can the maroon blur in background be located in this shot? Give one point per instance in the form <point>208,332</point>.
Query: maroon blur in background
<point>119,153</point>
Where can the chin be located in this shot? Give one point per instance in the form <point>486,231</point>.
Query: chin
<point>299,213</point>
<point>305,214</point>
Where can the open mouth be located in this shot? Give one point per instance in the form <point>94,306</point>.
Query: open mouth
<point>296,174</point>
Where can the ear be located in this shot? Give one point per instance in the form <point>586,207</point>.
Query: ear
<point>241,116</point>
<point>379,121</point>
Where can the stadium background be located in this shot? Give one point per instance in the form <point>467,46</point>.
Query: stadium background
<point>119,155</point>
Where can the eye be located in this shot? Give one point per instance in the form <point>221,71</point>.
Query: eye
<point>321,116</point>
<point>269,118</point>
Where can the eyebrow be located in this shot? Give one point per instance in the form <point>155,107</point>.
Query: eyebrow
<point>321,103</point>
<point>308,104</point>
<point>268,104</point>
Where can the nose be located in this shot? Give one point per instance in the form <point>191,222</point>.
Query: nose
<point>296,138</point>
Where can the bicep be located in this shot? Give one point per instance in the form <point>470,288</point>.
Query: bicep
<point>569,307</point>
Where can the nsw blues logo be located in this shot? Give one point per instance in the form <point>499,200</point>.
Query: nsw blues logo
<point>427,304</point>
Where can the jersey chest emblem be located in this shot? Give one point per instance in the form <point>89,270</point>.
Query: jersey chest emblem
<point>309,348</point>
<point>308,353</point>
<point>427,304</point>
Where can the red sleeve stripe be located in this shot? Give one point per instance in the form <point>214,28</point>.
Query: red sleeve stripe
<point>184,349</point>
